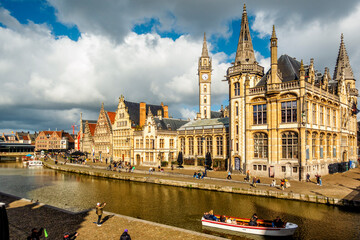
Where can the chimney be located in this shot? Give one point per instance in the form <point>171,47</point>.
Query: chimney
<point>166,111</point>
<point>142,114</point>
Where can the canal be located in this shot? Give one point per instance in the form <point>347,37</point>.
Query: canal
<point>173,206</point>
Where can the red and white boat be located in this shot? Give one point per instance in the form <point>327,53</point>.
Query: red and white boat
<point>241,225</point>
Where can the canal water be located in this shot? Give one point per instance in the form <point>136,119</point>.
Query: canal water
<point>173,206</point>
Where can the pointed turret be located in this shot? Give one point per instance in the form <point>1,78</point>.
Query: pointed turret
<point>245,51</point>
<point>204,49</point>
<point>274,59</point>
<point>343,62</point>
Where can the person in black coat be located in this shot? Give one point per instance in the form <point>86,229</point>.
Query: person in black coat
<point>125,235</point>
<point>35,234</point>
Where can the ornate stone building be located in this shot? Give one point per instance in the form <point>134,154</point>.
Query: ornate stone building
<point>103,134</point>
<point>129,117</point>
<point>54,141</point>
<point>293,120</point>
<point>209,133</point>
<point>157,141</point>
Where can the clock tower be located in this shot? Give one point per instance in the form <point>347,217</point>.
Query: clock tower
<point>204,72</point>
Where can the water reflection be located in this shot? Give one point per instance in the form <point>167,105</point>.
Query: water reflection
<point>171,205</point>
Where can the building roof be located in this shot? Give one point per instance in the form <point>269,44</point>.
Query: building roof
<point>111,116</point>
<point>134,110</point>
<point>207,123</point>
<point>216,114</point>
<point>289,68</point>
<point>92,127</point>
<point>169,123</point>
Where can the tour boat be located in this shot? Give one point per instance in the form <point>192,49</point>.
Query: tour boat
<point>242,226</point>
<point>34,163</point>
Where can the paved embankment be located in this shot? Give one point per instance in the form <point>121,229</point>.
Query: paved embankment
<point>24,215</point>
<point>332,192</point>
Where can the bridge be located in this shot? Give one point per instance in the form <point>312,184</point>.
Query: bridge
<point>15,150</point>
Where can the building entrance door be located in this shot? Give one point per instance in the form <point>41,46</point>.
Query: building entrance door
<point>271,171</point>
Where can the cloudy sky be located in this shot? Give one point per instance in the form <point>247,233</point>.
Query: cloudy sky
<point>60,58</point>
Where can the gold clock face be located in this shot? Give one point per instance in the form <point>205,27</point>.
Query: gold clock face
<point>205,76</point>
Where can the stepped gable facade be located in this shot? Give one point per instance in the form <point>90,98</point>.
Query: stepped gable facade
<point>131,116</point>
<point>293,120</point>
<point>103,144</point>
<point>156,143</point>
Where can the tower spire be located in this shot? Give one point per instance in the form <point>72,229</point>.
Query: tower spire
<point>343,62</point>
<point>245,51</point>
<point>204,49</point>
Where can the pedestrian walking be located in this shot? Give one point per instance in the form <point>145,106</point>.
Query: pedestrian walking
<point>248,175</point>
<point>229,176</point>
<point>106,161</point>
<point>99,212</point>
<point>282,184</point>
<point>308,177</point>
<point>254,182</point>
<point>125,235</point>
<point>320,181</point>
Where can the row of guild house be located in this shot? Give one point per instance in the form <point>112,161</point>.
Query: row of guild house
<point>291,121</point>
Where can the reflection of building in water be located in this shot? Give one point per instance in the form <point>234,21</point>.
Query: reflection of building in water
<point>293,120</point>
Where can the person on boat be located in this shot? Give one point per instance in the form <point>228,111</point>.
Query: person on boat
<point>233,221</point>
<point>222,218</point>
<point>207,216</point>
<point>228,220</point>
<point>253,220</point>
<point>278,223</point>
<point>212,216</point>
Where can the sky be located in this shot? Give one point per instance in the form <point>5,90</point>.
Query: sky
<point>60,58</point>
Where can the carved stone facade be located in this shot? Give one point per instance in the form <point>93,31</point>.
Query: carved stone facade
<point>293,120</point>
<point>157,141</point>
<point>103,134</point>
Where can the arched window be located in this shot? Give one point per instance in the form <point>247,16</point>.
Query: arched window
<point>204,111</point>
<point>237,88</point>
<point>208,144</point>
<point>200,145</point>
<point>260,145</point>
<point>237,109</point>
<point>204,99</point>
<point>321,145</point>
<point>219,146</point>
<point>191,146</point>
<point>313,147</point>
<point>182,144</point>
<point>328,147</point>
<point>334,146</point>
<point>290,145</point>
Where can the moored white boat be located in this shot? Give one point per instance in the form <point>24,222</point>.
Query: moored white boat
<point>34,163</point>
<point>242,225</point>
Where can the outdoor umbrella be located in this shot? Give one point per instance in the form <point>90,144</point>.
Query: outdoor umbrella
<point>4,223</point>
<point>29,155</point>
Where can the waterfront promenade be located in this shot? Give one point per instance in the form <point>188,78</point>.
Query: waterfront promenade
<point>24,215</point>
<point>337,189</point>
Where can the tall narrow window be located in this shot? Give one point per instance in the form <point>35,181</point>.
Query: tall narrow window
<point>289,111</point>
<point>237,88</point>
<point>259,114</point>
<point>204,88</point>
<point>205,111</point>
<point>237,109</point>
<point>321,115</point>
<point>321,146</point>
<point>290,145</point>
<point>219,146</point>
<point>328,147</point>
<point>200,145</point>
<point>204,99</point>
<point>334,118</point>
<point>209,144</point>
<point>191,146</point>
<point>260,145</point>
<point>314,113</point>
<point>182,144</point>
<point>328,117</point>
<point>334,146</point>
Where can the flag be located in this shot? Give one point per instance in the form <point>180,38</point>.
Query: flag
<point>45,233</point>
